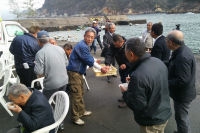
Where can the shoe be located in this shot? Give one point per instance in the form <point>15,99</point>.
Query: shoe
<point>79,122</point>
<point>122,105</point>
<point>87,113</point>
<point>121,100</point>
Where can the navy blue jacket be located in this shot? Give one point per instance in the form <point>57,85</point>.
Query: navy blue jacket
<point>148,93</point>
<point>182,70</point>
<point>80,58</point>
<point>24,49</point>
<point>160,50</point>
<point>97,31</point>
<point>37,113</point>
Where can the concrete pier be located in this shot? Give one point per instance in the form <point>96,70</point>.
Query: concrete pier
<point>72,23</point>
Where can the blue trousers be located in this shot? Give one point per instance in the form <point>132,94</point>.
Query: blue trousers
<point>94,46</point>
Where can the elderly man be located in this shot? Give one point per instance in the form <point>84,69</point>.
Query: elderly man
<point>147,38</point>
<point>147,93</point>
<point>33,109</point>
<point>160,49</point>
<point>182,69</point>
<point>80,58</point>
<point>51,63</point>
<point>108,40</point>
<point>24,49</point>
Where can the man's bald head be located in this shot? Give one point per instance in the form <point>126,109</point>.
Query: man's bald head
<point>176,37</point>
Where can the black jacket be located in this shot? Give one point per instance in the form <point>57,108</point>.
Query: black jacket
<point>148,93</point>
<point>182,69</point>
<point>107,41</point>
<point>37,113</point>
<point>160,49</point>
<point>118,54</point>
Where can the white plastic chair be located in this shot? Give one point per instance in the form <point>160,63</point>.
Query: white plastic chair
<point>40,80</point>
<point>6,76</point>
<point>2,67</point>
<point>88,88</point>
<point>60,101</point>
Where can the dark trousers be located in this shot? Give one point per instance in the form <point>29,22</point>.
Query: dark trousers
<point>123,74</point>
<point>99,42</point>
<point>182,116</point>
<point>49,93</point>
<point>26,76</point>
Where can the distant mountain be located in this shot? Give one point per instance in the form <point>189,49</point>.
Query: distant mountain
<point>114,7</point>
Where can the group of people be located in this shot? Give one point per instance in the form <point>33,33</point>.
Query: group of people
<point>155,67</point>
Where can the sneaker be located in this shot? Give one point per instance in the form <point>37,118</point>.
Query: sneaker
<point>87,113</point>
<point>79,122</point>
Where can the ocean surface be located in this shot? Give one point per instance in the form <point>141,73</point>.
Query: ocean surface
<point>189,24</point>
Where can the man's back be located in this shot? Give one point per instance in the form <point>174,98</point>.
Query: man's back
<point>24,49</point>
<point>37,113</point>
<point>148,94</point>
<point>51,61</point>
<point>160,49</point>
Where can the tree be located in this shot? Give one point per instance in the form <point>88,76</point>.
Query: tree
<point>29,6</point>
<point>15,8</point>
<point>23,9</point>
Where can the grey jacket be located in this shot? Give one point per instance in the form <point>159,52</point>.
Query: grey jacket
<point>51,61</point>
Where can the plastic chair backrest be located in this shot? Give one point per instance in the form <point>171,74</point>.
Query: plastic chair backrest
<point>6,76</point>
<point>2,67</point>
<point>60,103</point>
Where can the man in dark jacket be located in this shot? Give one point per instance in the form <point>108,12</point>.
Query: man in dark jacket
<point>24,49</point>
<point>117,50</point>
<point>108,40</point>
<point>160,49</point>
<point>147,93</point>
<point>33,109</point>
<point>182,69</point>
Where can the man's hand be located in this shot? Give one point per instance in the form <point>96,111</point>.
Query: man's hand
<point>128,78</point>
<point>123,66</point>
<point>98,61</point>
<point>105,69</point>
<point>123,89</point>
<point>15,108</point>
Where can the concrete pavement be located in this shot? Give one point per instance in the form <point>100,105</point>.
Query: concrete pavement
<point>106,117</point>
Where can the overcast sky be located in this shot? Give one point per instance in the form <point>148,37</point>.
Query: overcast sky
<point>5,8</point>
